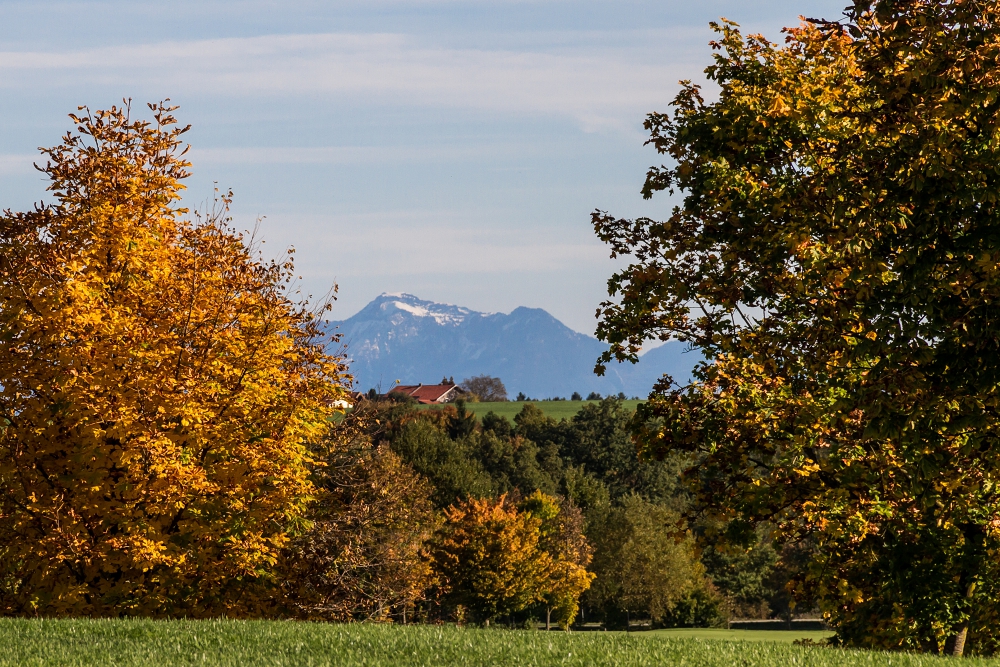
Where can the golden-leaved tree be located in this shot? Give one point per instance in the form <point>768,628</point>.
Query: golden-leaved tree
<point>160,393</point>
<point>496,559</point>
<point>488,558</point>
<point>561,536</point>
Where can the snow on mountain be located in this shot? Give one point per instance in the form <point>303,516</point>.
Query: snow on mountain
<point>401,337</point>
<point>443,314</point>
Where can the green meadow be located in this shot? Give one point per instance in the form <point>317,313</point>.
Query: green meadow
<point>145,643</point>
<point>780,636</point>
<point>555,409</point>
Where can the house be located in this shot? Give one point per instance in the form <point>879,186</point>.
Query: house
<point>430,393</point>
<point>349,401</point>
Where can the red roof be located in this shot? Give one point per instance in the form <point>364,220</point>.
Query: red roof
<point>426,393</point>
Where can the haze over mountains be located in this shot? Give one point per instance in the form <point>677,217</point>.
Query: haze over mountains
<point>401,337</point>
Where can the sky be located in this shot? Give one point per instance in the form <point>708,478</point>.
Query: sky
<point>450,149</point>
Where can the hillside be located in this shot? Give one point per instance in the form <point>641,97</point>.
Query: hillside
<point>401,337</point>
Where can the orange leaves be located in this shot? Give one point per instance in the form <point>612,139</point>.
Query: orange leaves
<point>166,388</point>
<point>496,559</point>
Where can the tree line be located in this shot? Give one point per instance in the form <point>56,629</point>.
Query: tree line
<point>625,513</point>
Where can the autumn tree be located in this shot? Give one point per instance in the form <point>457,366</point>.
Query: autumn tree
<point>488,558</point>
<point>835,256</point>
<point>363,556</point>
<point>561,536</point>
<point>159,390</point>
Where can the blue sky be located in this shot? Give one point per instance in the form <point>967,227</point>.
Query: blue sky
<point>449,149</point>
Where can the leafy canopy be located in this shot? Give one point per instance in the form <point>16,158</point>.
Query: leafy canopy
<point>363,556</point>
<point>561,536</point>
<point>158,390</point>
<point>836,256</point>
<point>488,557</point>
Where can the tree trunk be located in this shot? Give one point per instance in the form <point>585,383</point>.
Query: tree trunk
<point>972,559</point>
<point>957,642</point>
<point>955,646</point>
<point>548,618</point>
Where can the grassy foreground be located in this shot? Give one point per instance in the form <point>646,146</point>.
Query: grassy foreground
<point>555,409</point>
<point>286,643</point>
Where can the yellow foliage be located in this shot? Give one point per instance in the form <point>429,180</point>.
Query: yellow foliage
<point>159,391</point>
<point>562,537</point>
<point>495,559</point>
<point>488,557</point>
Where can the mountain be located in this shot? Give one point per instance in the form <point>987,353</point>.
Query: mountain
<point>401,337</point>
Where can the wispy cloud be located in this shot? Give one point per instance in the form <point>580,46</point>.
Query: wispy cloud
<point>14,164</point>
<point>598,87</point>
<point>355,155</point>
<point>391,243</point>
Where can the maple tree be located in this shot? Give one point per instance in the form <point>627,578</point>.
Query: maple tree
<point>835,255</point>
<point>159,390</point>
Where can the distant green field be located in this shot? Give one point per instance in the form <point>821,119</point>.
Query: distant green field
<point>780,636</point>
<point>554,409</point>
<point>138,643</point>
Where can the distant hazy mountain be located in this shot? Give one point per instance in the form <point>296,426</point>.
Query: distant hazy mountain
<point>400,337</point>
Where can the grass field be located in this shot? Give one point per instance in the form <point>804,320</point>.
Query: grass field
<point>80,643</point>
<point>554,409</point>
<point>780,636</point>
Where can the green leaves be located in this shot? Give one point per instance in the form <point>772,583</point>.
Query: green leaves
<point>835,259</point>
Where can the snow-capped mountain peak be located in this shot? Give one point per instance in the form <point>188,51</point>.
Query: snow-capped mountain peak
<point>442,313</point>
<point>399,336</point>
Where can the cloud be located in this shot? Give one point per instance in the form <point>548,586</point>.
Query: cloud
<point>14,163</point>
<point>355,155</point>
<point>396,243</point>
<point>19,164</point>
<point>599,86</point>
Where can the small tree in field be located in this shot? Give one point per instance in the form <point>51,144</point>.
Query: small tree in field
<point>158,391</point>
<point>485,387</point>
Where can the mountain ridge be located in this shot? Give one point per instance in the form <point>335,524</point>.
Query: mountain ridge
<point>398,336</point>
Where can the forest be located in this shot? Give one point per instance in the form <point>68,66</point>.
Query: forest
<point>624,512</point>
